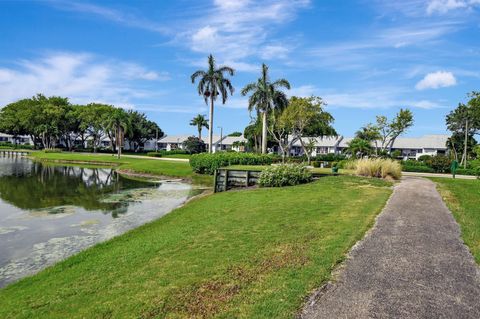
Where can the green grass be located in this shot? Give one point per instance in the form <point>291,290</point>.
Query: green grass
<point>131,164</point>
<point>251,254</point>
<point>463,199</point>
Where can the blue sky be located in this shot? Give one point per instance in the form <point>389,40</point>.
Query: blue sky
<point>364,57</point>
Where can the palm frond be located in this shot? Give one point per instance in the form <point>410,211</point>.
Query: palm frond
<point>199,73</point>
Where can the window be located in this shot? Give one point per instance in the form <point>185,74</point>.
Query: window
<point>322,150</point>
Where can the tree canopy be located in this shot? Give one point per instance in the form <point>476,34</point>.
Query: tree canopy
<point>51,120</point>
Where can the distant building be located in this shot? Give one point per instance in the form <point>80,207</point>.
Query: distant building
<point>21,139</point>
<point>323,145</point>
<point>413,147</point>
<point>232,143</point>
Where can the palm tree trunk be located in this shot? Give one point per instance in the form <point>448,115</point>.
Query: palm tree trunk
<point>119,143</point>
<point>210,128</point>
<point>200,133</point>
<point>264,133</point>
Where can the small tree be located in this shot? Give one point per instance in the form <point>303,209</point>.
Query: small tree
<point>465,121</point>
<point>390,131</point>
<point>305,116</point>
<point>359,147</point>
<point>200,122</point>
<point>194,145</point>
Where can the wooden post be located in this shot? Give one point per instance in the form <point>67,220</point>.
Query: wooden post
<point>215,181</point>
<point>225,184</point>
<point>247,178</point>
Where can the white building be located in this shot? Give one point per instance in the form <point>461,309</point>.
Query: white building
<point>412,147</point>
<point>21,139</point>
<point>323,145</point>
<point>174,142</point>
<point>232,143</point>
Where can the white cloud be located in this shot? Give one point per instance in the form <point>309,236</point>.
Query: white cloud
<point>236,30</point>
<point>444,6</point>
<point>437,80</point>
<point>80,76</point>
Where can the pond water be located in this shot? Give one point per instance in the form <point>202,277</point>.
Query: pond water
<point>48,213</point>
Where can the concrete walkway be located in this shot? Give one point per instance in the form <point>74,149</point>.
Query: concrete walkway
<point>437,175</point>
<point>412,264</point>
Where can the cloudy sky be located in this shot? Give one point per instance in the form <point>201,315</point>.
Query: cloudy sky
<point>364,57</point>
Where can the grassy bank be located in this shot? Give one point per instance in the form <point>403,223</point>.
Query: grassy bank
<point>463,199</point>
<point>128,164</point>
<point>250,254</point>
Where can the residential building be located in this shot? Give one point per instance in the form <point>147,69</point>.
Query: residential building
<point>322,145</point>
<point>21,139</point>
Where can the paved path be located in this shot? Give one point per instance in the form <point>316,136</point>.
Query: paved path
<point>412,264</point>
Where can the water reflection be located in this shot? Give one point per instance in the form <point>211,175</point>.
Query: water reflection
<point>48,213</point>
<point>32,185</point>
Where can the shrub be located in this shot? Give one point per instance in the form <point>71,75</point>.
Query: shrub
<point>164,153</point>
<point>194,145</point>
<point>424,158</point>
<point>439,163</point>
<point>284,175</point>
<point>396,154</point>
<point>154,154</point>
<point>416,166</point>
<point>53,150</point>
<point>316,163</point>
<point>207,163</point>
<point>469,171</point>
<point>377,167</point>
<point>330,157</point>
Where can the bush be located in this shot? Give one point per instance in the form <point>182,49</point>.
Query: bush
<point>154,154</point>
<point>440,164</point>
<point>194,145</point>
<point>330,157</point>
<point>9,145</point>
<point>377,167</point>
<point>207,163</point>
<point>469,171</point>
<point>284,175</point>
<point>424,158</point>
<point>416,166</point>
<point>396,154</point>
<point>164,153</point>
<point>53,150</point>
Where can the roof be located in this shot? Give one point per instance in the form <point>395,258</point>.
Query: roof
<point>344,142</point>
<point>183,138</point>
<point>229,140</point>
<point>326,141</point>
<point>427,141</point>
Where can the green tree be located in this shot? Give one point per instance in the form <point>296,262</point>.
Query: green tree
<point>141,130</point>
<point>369,133</point>
<point>465,121</point>
<point>306,115</point>
<point>266,97</point>
<point>390,131</point>
<point>359,147</point>
<point>211,84</point>
<point>194,145</point>
<point>119,123</point>
<point>200,122</point>
<point>92,120</point>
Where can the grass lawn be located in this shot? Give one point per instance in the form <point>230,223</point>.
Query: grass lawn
<point>250,254</point>
<point>463,199</point>
<point>135,165</point>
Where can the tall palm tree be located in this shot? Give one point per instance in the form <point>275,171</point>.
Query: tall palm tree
<point>119,123</point>
<point>200,122</point>
<point>211,84</point>
<point>265,97</point>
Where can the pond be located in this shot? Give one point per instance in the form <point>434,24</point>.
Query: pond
<point>49,212</point>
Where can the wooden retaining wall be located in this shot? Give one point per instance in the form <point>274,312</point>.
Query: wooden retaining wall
<point>225,179</point>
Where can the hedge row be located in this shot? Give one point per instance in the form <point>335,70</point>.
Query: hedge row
<point>163,153</point>
<point>284,175</point>
<point>207,163</point>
